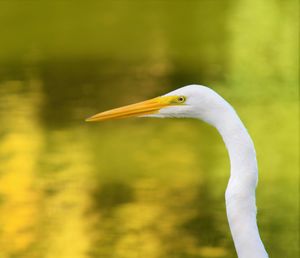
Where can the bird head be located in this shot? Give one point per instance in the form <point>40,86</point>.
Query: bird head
<point>193,101</point>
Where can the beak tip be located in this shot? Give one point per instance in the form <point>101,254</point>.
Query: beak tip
<point>89,119</point>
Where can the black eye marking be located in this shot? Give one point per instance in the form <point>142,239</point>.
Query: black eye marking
<point>181,99</point>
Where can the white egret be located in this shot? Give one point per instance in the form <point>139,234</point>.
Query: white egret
<point>195,101</point>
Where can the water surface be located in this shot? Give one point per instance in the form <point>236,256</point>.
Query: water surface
<point>141,187</point>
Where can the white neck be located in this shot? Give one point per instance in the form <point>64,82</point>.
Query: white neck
<point>240,192</point>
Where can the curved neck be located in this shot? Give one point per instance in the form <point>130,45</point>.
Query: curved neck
<point>240,192</point>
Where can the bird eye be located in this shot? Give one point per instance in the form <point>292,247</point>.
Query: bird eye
<point>181,99</point>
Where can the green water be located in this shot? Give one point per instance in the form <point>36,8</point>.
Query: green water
<point>151,188</point>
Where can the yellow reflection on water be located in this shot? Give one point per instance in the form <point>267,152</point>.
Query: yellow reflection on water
<point>20,148</point>
<point>66,184</point>
<point>43,182</point>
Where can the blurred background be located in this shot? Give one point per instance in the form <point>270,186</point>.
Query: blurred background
<point>150,188</point>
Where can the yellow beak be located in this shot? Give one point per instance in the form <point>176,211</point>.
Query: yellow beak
<point>147,107</point>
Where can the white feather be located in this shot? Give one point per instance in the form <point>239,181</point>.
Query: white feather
<point>205,104</point>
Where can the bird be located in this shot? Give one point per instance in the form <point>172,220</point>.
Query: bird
<point>201,102</point>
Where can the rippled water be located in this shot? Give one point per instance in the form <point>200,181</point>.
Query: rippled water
<point>141,187</point>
